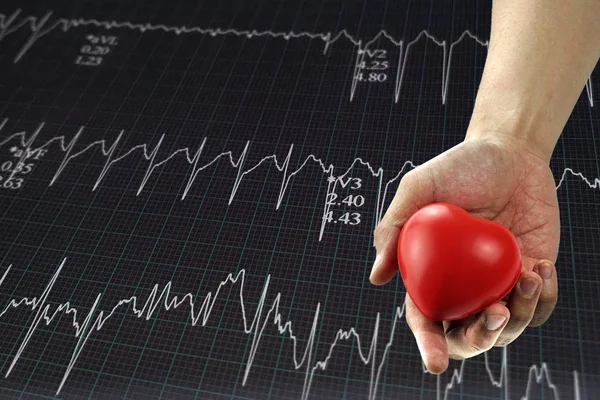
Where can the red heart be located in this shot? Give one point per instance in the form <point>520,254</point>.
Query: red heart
<point>454,264</point>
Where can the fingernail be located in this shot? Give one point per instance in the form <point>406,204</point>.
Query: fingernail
<point>528,287</point>
<point>546,271</point>
<point>494,322</point>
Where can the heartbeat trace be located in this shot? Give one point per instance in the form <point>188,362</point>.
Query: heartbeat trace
<point>41,26</point>
<point>150,154</point>
<point>161,297</point>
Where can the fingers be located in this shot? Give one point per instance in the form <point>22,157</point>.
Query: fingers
<point>549,294</point>
<point>415,191</point>
<point>522,305</point>
<point>386,263</point>
<point>430,338</point>
<point>468,338</point>
<point>530,303</point>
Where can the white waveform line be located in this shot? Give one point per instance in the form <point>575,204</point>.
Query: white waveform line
<point>328,170</point>
<point>26,151</point>
<point>403,56</point>
<point>576,387</point>
<point>535,375</point>
<point>38,28</point>
<point>447,60</point>
<point>161,297</point>
<point>593,185</point>
<point>589,90</point>
<point>330,180</point>
<point>69,155</point>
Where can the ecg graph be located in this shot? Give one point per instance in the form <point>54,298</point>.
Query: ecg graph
<point>41,26</point>
<point>28,150</point>
<point>188,202</point>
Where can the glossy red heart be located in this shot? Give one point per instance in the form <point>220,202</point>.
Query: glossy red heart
<point>454,264</point>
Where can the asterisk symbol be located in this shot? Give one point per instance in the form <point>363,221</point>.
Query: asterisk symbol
<point>331,179</point>
<point>13,149</point>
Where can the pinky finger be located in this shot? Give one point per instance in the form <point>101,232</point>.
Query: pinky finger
<point>548,295</point>
<point>470,339</point>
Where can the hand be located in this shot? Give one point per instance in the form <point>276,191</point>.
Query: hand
<point>498,178</point>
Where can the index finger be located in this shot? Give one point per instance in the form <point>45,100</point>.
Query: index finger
<point>430,338</point>
<point>415,191</point>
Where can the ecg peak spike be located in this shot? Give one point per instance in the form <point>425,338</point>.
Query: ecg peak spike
<point>266,312</point>
<point>41,26</point>
<point>110,151</point>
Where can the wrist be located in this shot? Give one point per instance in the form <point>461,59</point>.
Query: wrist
<point>518,141</point>
<point>521,123</point>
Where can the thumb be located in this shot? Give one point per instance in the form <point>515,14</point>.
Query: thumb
<point>414,192</point>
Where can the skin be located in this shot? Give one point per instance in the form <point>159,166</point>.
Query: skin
<point>540,55</point>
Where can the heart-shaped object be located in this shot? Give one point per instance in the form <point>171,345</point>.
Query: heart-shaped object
<point>454,264</point>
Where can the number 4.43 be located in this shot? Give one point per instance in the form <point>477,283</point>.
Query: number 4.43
<point>347,218</point>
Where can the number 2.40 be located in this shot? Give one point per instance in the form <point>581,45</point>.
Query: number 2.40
<point>350,200</point>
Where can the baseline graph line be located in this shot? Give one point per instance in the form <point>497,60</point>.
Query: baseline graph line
<point>200,310</point>
<point>42,26</point>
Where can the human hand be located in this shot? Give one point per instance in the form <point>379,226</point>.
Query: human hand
<point>498,178</point>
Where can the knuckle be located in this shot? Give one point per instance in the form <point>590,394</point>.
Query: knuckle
<point>504,341</point>
<point>537,321</point>
<point>548,298</point>
<point>540,318</point>
<point>480,343</point>
<point>520,318</point>
<point>408,179</point>
<point>463,347</point>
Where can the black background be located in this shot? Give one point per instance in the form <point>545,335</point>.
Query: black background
<point>267,93</point>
